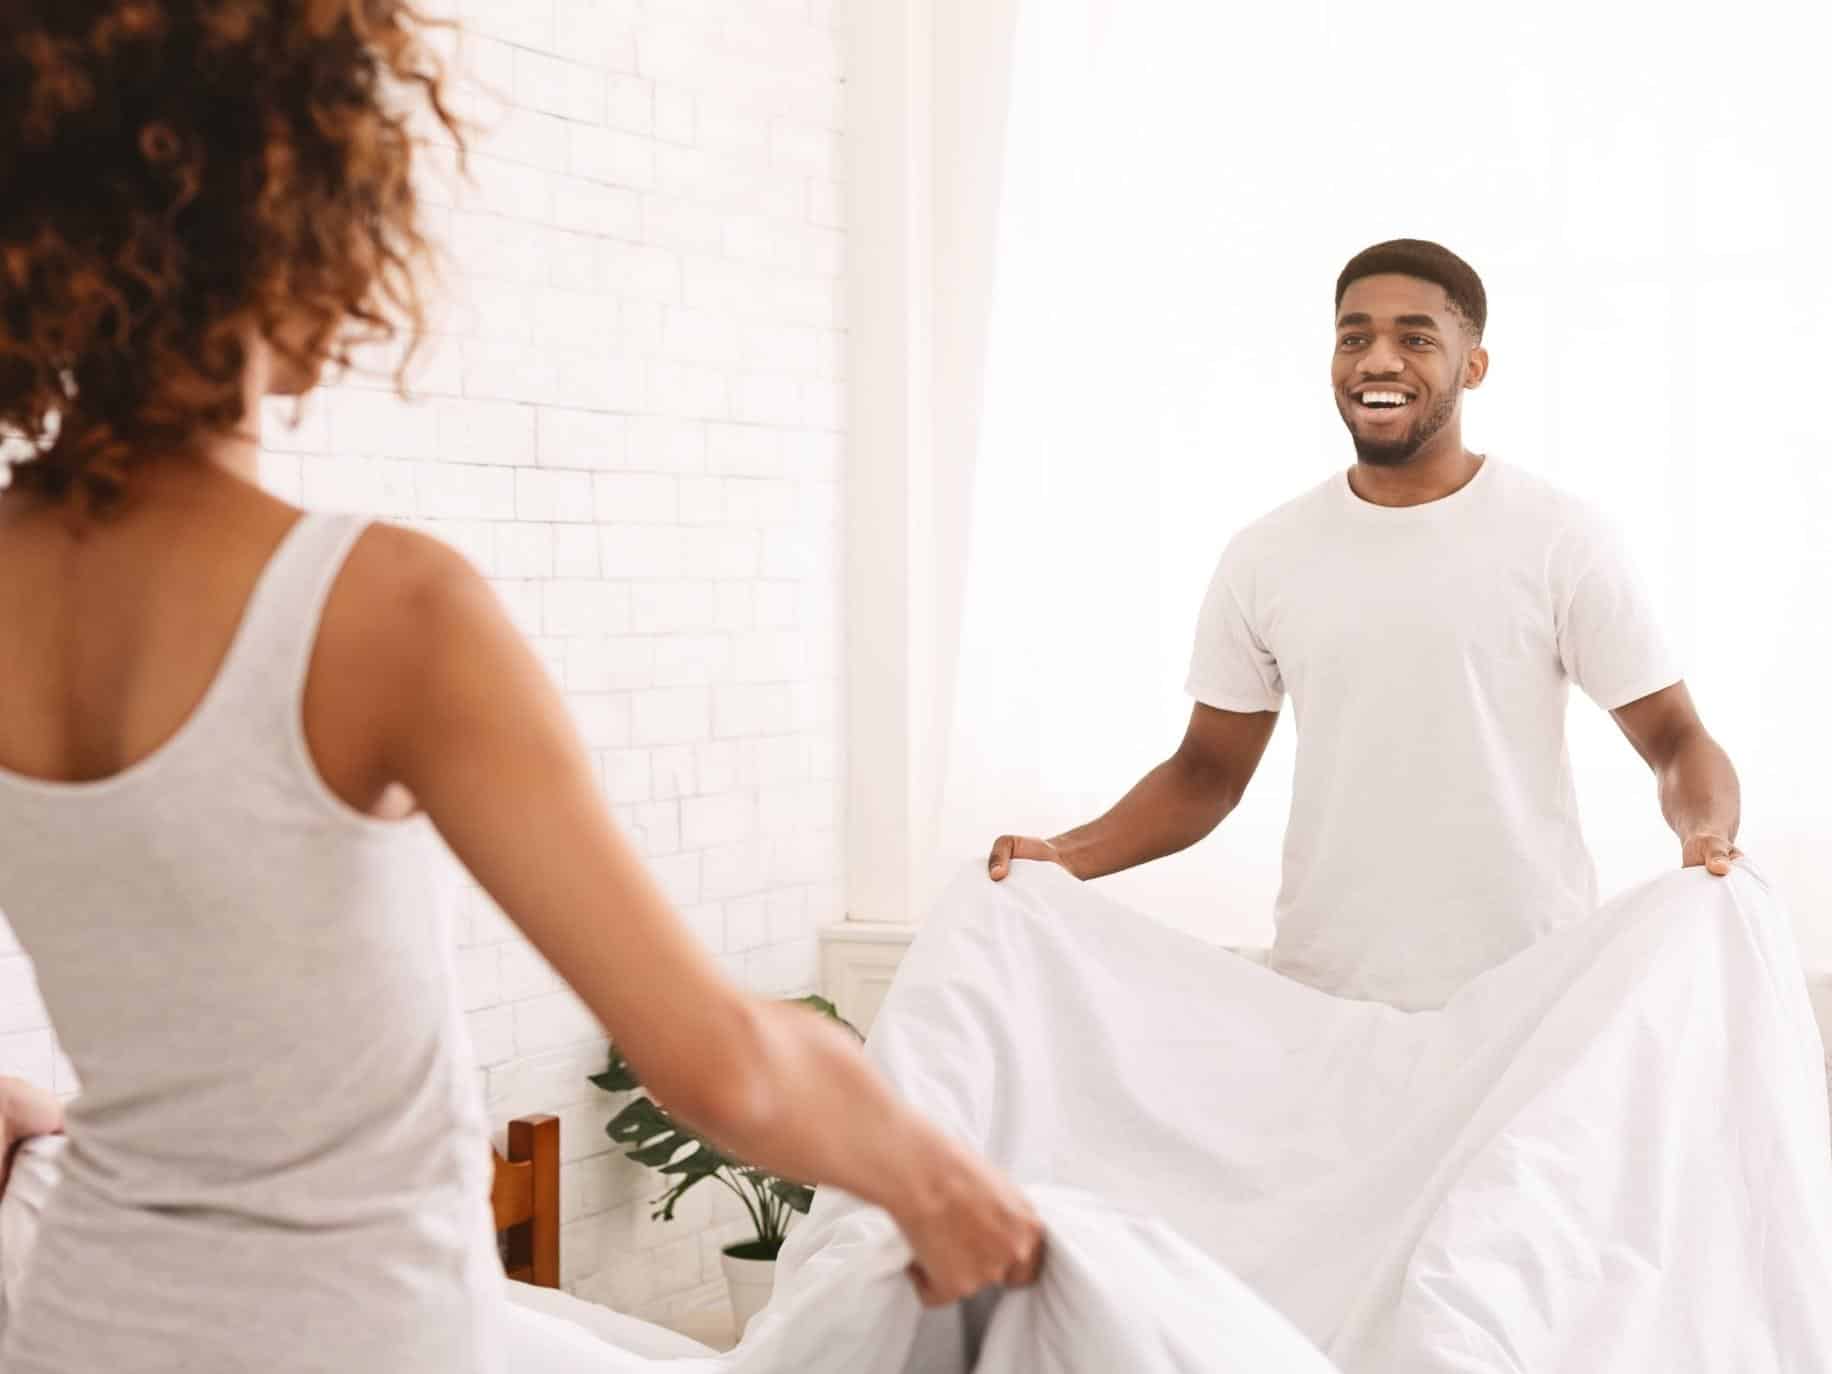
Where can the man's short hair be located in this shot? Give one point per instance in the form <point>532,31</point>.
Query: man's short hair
<point>1430,262</point>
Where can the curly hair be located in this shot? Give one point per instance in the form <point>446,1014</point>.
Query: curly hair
<point>183,176</point>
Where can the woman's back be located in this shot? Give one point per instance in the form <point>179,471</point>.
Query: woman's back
<point>278,1157</point>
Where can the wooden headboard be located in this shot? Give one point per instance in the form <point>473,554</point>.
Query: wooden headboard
<point>525,1195</point>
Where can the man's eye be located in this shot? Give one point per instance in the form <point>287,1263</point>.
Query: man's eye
<point>1420,340</point>
<point>1349,341</point>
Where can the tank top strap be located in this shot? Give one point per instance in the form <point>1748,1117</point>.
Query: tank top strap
<point>273,650</point>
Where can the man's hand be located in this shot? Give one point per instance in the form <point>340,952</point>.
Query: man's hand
<point>1699,795</point>
<point>1714,852</point>
<point>1009,847</point>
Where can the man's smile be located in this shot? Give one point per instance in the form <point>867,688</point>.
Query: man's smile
<point>1382,404</point>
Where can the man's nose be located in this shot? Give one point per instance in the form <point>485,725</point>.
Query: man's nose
<point>1381,360</point>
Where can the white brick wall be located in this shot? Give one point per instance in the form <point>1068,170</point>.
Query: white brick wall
<point>632,424</point>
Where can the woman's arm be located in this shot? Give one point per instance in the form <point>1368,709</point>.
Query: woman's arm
<point>487,746</point>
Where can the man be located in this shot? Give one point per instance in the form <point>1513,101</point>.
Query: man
<point>1425,613</point>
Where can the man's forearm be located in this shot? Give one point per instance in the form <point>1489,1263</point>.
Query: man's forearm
<point>1171,808</point>
<point>1699,794</point>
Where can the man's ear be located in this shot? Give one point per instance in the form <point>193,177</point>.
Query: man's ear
<point>1475,367</point>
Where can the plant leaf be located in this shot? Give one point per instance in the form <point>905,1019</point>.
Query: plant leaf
<point>619,1077</point>
<point>657,1141</point>
<point>799,1196</point>
<point>653,1138</point>
<point>825,1008</point>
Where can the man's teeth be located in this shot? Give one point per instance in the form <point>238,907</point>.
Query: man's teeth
<point>1384,398</point>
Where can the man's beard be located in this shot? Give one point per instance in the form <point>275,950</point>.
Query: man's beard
<point>1393,453</point>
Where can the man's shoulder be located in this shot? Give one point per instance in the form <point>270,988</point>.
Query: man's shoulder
<point>1549,510</point>
<point>1272,531</point>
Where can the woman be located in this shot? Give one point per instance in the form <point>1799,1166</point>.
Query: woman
<point>228,732</point>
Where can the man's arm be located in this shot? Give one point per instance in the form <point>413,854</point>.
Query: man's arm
<point>1699,795</point>
<point>1177,803</point>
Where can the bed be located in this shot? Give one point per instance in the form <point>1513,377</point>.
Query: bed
<point>525,1200</point>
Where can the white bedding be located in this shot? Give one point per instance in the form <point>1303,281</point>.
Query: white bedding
<point>1609,1154</point>
<point>551,1332</point>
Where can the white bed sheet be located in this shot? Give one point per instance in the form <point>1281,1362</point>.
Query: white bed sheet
<point>1610,1154</point>
<point>552,1332</point>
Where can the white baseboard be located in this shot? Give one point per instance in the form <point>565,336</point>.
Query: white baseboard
<point>858,961</point>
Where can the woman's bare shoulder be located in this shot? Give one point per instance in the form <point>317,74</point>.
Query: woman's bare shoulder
<point>401,584</point>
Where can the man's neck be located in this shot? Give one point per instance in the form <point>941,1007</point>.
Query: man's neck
<point>1436,471</point>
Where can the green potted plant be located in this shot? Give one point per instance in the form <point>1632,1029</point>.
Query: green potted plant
<point>653,1138</point>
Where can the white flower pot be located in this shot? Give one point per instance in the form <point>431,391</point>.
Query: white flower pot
<point>749,1282</point>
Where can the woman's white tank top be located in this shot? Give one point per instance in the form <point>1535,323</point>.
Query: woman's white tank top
<point>277,1161</point>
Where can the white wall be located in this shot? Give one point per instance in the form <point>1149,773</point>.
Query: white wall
<point>634,425</point>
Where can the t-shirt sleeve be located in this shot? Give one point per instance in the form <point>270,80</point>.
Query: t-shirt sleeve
<point>1609,637</point>
<point>1231,668</point>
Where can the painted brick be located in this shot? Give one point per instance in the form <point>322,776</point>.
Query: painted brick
<point>675,118</point>
<point>636,498</point>
<point>553,496</point>
<point>663,444</point>
<point>671,607</point>
<point>692,660</point>
<point>612,156</point>
<point>747,450</point>
<point>632,421</point>
<point>559,87</point>
<point>603,718</point>
<point>674,715</point>
<point>598,663</point>
<point>640,271</point>
<point>494,432</point>
<point>591,208</point>
<point>628,776</point>
<point>672,771</point>
<point>584,608</point>
<point>524,550</point>
<point>575,551</point>
<point>642,552</point>
<point>581,439</point>
<point>710,821</point>
<point>551,1021</point>
<point>381,425</point>
<point>723,553</point>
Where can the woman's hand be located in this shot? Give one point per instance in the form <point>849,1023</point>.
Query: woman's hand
<point>25,1111</point>
<point>970,1229</point>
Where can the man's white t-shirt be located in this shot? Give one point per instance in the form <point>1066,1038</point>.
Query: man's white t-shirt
<point>1434,829</point>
